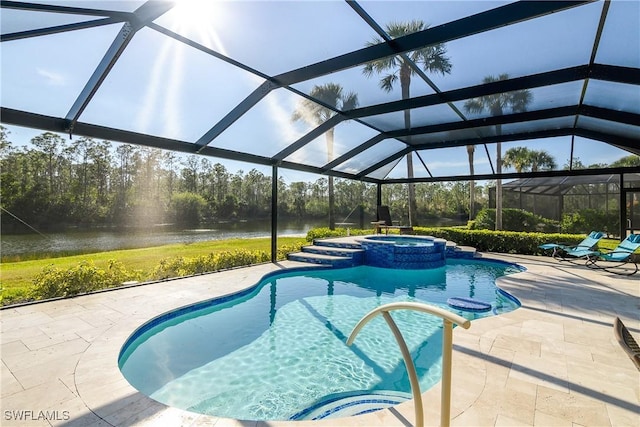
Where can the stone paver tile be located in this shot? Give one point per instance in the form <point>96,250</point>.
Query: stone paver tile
<point>475,416</point>
<point>24,418</point>
<point>485,344</point>
<point>82,419</point>
<point>65,326</point>
<point>17,362</point>
<point>102,317</point>
<point>14,348</point>
<point>542,329</point>
<point>392,418</point>
<point>542,419</point>
<point>62,366</point>
<point>541,371</point>
<point>8,383</point>
<point>110,395</point>
<point>521,387</point>
<point>140,413</point>
<point>518,344</point>
<point>572,407</point>
<point>573,351</point>
<point>73,411</point>
<point>63,308</point>
<point>52,394</point>
<point>20,334</point>
<point>629,416</point>
<point>90,335</point>
<point>32,318</point>
<point>170,417</point>
<point>509,402</point>
<point>204,421</point>
<point>505,421</point>
<point>226,422</point>
<point>587,336</point>
<point>120,407</point>
<point>42,340</point>
<point>601,378</point>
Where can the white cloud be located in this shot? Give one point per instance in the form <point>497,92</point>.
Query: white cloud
<point>53,79</point>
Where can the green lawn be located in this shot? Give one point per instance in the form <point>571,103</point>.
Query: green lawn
<point>16,278</point>
<point>20,274</point>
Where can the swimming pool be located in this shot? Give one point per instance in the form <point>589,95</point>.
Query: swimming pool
<point>277,351</point>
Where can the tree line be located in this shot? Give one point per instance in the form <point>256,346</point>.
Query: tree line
<point>56,183</point>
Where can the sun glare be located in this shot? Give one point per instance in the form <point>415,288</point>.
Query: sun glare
<point>197,13</point>
<point>201,19</point>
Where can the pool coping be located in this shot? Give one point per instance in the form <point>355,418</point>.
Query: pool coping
<point>61,356</point>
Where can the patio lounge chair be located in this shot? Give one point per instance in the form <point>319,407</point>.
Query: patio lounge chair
<point>627,342</point>
<point>384,222</point>
<point>611,261</point>
<point>568,252</point>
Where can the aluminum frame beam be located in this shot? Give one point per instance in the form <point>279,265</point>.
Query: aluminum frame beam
<point>138,19</point>
<point>485,21</point>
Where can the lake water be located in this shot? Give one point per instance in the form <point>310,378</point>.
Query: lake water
<point>104,240</point>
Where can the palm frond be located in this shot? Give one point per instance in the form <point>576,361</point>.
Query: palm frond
<point>474,105</point>
<point>387,82</point>
<point>350,101</point>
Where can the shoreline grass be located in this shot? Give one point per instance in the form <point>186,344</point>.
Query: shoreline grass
<point>17,278</point>
<point>20,274</point>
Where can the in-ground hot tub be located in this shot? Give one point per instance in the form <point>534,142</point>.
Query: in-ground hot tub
<point>406,252</point>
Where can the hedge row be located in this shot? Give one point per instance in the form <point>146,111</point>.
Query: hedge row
<point>483,240</point>
<point>509,242</point>
<point>54,282</point>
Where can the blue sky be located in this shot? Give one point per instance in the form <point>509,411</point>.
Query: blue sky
<point>160,87</point>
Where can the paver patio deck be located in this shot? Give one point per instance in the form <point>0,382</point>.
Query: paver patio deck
<point>554,361</point>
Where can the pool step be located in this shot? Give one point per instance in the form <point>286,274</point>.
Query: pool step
<point>334,253</point>
<point>348,406</point>
<point>332,242</point>
<point>454,251</point>
<point>333,250</point>
<point>333,260</point>
<point>345,252</point>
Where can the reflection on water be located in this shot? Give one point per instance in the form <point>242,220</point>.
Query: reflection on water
<point>104,240</point>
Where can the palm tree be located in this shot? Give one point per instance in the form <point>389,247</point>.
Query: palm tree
<point>523,159</point>
<point>516,101</point>
<point>472,184</point>
<point>518,158</point>
<point>331,94</point>
<point>433,59</point>
<point>541,160</point>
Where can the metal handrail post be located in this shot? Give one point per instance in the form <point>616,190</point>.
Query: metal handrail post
<point>448,319</point>
<point>411,369</point>
<point>447,359</point>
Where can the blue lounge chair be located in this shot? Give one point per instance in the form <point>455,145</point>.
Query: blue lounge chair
<point>611,261</point>
<point>565,252</point>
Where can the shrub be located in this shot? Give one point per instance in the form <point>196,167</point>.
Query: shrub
<point>514,220</point>
<point>500,241</point>
<point>588,220</point>
<point>54,282</point>
<point>325,232</point>
<point>181,266</point>
<point>483,240</point>
<point>16,296</point>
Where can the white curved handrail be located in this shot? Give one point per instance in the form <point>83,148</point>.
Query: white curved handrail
<point>448,319</point>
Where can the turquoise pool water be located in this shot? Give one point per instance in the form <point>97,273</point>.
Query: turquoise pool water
<point>278,352</point>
